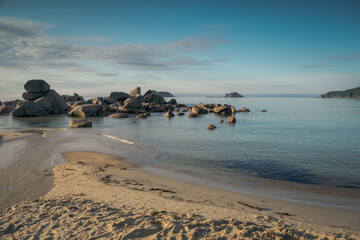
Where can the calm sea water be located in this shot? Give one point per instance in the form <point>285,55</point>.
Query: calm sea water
<point>299,139</point>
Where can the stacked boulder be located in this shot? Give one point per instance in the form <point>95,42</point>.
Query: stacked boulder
<point>40,100</point>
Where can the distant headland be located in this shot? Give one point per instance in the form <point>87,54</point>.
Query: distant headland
<point>350,93</point>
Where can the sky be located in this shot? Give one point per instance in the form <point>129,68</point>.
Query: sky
<point>185,47</point>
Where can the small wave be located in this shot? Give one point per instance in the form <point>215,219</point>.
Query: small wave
<point>118,139</point>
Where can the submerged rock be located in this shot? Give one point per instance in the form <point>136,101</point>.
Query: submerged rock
<point>210,127</point>
<point>119,115</point>
<point>231,119</point>
<point>169,114</point>
<point>143,115</point>
<point>244,110</point>
<point>80,123</point>
<point>192,115</point>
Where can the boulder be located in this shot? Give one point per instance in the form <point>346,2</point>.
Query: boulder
<point>244,110</point>
<point>36,86</point>
<point>151,97</point>
<point>45,104</point>
<point>223,110</point>
<point>98,100</point>
<point>192,115</point>
<point>169,114</point>
<point>231,119</point>
<point>28,109</point>
<point>4,109</point>
<point>74,98</point>
<point>119,115</point>
<point>180,114</point>
<point>78,103</point>
<point>210,127</point>
<point>221,121</point>
<point>33,95</point>
<point>80,123</point>
<point>57,102</point>
<point>195,110</point>
<point>172,101</point>
<point>133,102</point>
<point>86,110</point>
<point>135,92</point>
<point>119,96</point>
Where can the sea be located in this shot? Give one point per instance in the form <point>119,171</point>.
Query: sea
<point>302,148</point>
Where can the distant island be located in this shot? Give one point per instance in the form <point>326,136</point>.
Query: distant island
<point>233,95</point>
<point>162,93</point>
<point>350,93</point>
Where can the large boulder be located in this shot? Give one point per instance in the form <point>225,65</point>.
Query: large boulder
<point>223,110</point>
<point>135,92</point>
<point>119,96</point>
<point>36,86</point>
<point>133,102</point>
<point>152,97</point>
<point>86,110</point>
<point>57,102</point>
<point>80,123</point>
<point>28,109</point>
<point>45,103</point>
<point>33,95</point>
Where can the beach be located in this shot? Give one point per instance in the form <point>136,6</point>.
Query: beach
<point>97,195</point>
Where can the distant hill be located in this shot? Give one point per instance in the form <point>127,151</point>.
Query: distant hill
<point>233,95</point>
<point>350,93</point>
<point>163,93</point>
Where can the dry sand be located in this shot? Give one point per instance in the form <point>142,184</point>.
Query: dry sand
<point>96,196</point>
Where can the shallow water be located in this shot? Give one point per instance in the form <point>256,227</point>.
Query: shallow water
<point>299,139</point>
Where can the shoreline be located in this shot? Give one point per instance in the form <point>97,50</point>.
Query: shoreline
<point>106,179</point>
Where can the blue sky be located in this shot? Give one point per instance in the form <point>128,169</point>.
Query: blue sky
<point>185,47</point>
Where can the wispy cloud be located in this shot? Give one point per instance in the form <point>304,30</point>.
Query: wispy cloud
<point>332,61</point>
<point>25,44</point>
<point>339,57</point>
<point>144,78</point>
<point>107,74</point>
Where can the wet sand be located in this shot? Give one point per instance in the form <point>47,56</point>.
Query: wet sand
<point>97,195</point>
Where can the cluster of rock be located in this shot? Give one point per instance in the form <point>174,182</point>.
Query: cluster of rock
<point>118,104</point>
<point>39,100</point>
<point>233,95</point>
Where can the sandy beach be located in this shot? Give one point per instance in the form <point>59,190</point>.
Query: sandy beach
<point>99,196</point>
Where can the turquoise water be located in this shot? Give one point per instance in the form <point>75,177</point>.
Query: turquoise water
<point>299,139</point>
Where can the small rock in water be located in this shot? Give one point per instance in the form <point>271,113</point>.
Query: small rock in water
<point>180,114</point>
<point>80,123</point>
<point>210,127</point>
<point>221,121</point>
<point>192,115</point>
<point>169,114</point>
<point>143,115</point>
<point>231,119</point>
<point>244,110</point>
<point>119,115</point>
<point>263,110</point>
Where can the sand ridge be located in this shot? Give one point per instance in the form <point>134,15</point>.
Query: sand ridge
<point>98,196</point>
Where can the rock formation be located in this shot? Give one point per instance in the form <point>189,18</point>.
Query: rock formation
<point>40,100</point>
<point>162,93</point>
<point>80,123</point>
